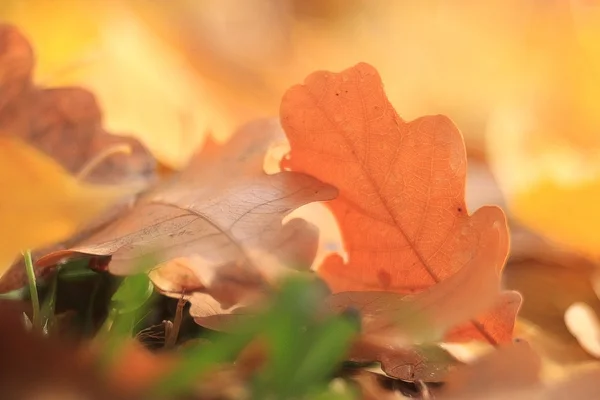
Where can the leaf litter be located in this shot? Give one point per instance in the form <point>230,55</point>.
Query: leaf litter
<point>420,269</point>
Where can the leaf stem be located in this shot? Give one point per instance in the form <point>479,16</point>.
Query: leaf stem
<point>35,300</point>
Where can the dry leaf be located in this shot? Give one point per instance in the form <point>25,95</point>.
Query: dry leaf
<point>442,306</point>
<point>392,322</point>
<point>401,207</point>
<point>550,287</point>
<point>514,366</point>
<point>110,49</point>
<point>223,210</point>
<point>64,123</point>
<point>513,372</point>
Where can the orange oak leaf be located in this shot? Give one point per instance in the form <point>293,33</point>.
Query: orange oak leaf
<point>443,306</point>
<point>401,205</point>
<point>216,225</point>
<point>393,322</point>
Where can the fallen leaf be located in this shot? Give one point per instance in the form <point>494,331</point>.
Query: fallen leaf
<point>427,363</point>
<point>561,359</point>
<point>515,366</point>
<point>535,268</point>
<point>392,322</point>
<point>16,64</point>
<point>65,123</point>
<point>45,204</point>
<point>109,49</point>
<point>494,326</point>
<point>442,306</point>
<point>401,207</point>
<point>550,287</point>
<point>514,372</point>
<point>222,210</point>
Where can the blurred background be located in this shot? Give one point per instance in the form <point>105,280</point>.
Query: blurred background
<point>520,78</point>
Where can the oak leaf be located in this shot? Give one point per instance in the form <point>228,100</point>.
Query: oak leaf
<point>215,226</point>
<point>401,206</point>
<point>402,216</point>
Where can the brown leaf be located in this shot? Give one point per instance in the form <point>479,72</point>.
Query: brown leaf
<point>515,366</point>
<point>513,372</point>
<point>222,211</point>
<point>16,64</point>
<point>551,278</point>
<point>65,123</point>
<point>428,363</point>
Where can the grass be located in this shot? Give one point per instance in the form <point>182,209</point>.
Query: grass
<point>33,293</point>
<point>304,346</point>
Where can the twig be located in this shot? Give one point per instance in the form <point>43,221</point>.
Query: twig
<point>172,333</point>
